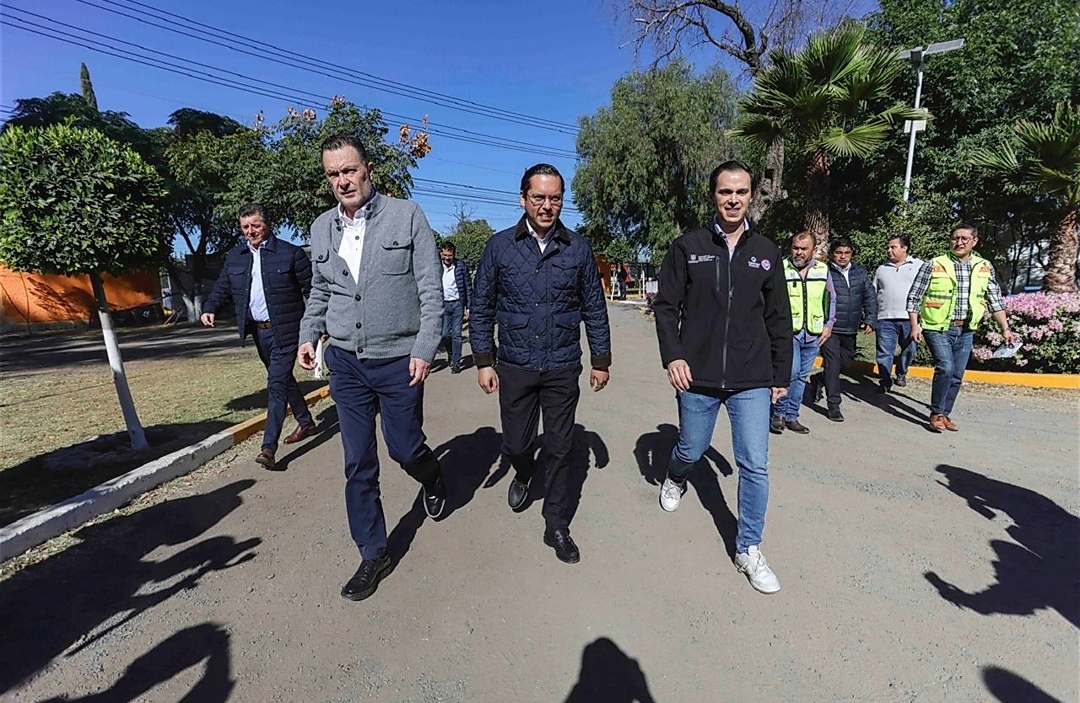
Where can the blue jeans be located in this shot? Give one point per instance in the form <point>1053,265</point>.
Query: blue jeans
<point>281,387</point>
<point>804,351</point>
<point>951,350</point>
<point>889,334</point>
<point>748,412</point>
<point>453,313</point>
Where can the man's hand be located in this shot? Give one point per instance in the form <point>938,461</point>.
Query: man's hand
<point>678,375</point>
<point>776,393</point>
<point>305,356</point>
<point>1009,337</point>
<point>866,329</point>
<point>916,332</point>
<point>207,318</point>
<point>419,370</point>
<point>465,317</point>
<point>825,334</point>
<point>598,379</point>
<point>488,379</point>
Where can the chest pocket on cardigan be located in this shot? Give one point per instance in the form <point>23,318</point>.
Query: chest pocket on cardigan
<point>396,258</point>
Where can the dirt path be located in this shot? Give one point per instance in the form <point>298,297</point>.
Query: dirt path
<point>915,567</point>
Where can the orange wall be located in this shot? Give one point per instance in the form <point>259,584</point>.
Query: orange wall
<point>29,298</point>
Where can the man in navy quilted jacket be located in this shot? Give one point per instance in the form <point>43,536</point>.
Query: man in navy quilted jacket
<point>539,281</point>
<point>267,281</point>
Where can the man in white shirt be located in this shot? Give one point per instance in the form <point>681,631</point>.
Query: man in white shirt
<point>892,281</point>
<point>455,284</point>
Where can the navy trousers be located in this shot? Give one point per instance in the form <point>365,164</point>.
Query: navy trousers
<point>362,388</point>
<point>281,387</point>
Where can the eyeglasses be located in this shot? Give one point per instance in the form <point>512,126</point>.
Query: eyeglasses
<point>962,240</point>
<point>537,199</point>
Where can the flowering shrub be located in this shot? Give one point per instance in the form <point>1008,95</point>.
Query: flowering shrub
<point>1048,324</point>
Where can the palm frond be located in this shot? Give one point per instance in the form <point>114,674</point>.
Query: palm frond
<point>860,141</point>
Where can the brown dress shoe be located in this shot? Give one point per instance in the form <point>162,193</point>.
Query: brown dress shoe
<point>937,422</point>
<point>301,432</point>
<point>266,458</point>
<point>949,424</point>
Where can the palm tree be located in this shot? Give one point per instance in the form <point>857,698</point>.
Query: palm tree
<point>1043,159</point>
<point>821,100</point>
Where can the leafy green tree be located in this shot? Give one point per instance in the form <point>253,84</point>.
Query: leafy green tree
<point>75,202</point>
<point>823,100</point>
<point>644,161</point>
<point>470,237</point>
<point>1043,159</point>
<point>87,87</point>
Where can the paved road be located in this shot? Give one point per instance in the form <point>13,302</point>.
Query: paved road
<point>915,567</point>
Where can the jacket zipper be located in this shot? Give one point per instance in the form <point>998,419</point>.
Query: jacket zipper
<point>727,318</point>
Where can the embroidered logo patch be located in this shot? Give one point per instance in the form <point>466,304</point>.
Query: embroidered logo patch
<point>701,258</point>
<point>754,263</point>
<point>766,264</point>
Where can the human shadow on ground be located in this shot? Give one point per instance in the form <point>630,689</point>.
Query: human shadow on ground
<point>259,399</point>
<point>62,605</point>
<point>1008,687</point>
<point>862,388</point>
<point>1037,570</point>
<point>183,650</point>
<point>609,675</point>
<point>466,461</point>
<point>653,451</point>
<point>585,443</point>
<point>66,472</point>
<point>327,423</point>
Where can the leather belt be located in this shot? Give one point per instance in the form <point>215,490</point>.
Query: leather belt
<point>262,325</point>
<point>958,323</point>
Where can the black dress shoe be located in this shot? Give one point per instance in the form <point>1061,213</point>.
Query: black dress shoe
<point>563,544</point>
<point>835,415</point>
<point>517,493</point>
<point>366,579</point>
<point>776,425</point>
<point>817,388</point>
<point>455,369</point>
<point>435,498</point>
<point>901,380</point>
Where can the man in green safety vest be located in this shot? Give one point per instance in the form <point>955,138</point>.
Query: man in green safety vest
<point>948,299</point>
<point>813,312</point>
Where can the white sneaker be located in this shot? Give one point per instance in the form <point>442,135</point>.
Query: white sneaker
<point>671,494</point>
<point>755,567</point>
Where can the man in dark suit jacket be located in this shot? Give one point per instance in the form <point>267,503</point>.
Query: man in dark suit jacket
<point>267,281</point>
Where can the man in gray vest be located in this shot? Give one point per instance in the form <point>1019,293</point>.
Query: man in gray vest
<point>376,290</point>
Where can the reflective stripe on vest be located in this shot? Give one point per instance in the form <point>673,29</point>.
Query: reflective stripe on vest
<point>807,297</point>
<point>940,298</point>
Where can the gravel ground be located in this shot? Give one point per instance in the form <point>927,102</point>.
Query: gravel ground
<point>915,567</point>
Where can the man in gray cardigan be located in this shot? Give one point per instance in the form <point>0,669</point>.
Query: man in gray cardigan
<point>376,291</point>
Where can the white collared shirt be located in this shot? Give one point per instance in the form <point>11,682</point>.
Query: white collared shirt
<point>257,300</point>
<point>353,230</point>
<point>542,241</point>
<point>449,282</point>
<point>731,246</point>
<point>845,271</point>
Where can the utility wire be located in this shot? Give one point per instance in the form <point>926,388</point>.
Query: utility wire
<point>272,90</point>
<point>236,42</point>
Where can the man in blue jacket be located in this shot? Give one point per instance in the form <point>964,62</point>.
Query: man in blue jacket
<point>539,281</point>
<point>856,311</point>
<point>267,280</point>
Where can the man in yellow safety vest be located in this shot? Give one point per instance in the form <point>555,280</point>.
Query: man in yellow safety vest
<point>946,303</point>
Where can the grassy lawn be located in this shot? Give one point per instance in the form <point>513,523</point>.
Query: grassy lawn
<point>62,432</point>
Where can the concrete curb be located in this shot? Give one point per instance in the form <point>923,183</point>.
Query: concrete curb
<point>1001,378</point>
<point>55,520</point>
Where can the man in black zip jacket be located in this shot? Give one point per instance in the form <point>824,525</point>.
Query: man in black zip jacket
<point>724,326</point>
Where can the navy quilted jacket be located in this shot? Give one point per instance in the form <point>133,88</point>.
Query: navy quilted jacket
<point>286,276</point>
<point>539,302</point>
<point>856,303</point>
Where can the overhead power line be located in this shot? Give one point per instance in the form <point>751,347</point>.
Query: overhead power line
<point>236,42</point>
<point>212,74</point>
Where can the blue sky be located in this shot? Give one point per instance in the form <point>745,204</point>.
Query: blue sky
<point>553,61</point>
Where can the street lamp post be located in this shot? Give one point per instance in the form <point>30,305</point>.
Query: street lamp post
<point>918,57</point>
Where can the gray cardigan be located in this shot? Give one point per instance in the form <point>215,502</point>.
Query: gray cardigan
<point>396,307</point>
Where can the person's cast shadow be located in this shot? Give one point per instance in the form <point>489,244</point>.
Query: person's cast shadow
<point>50,607</point>
<point>1008,687</point>
<point>653,451</point>
<point>1036,571</point>
<point>609,675</point>
<point>862,388</point>
<point>327,423</point>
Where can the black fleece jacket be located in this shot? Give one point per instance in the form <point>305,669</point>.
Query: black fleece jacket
<point>728,318</point>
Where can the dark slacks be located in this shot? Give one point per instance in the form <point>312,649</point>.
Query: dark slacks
<point>837,353</point>
<point>362,388</point>
<point>281,387</point>
<point>523,395</point>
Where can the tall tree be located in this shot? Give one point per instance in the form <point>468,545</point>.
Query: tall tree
<point>743,32</point>
<point>1043,159</point>
<point>75,202</point>
<point>644,161</point>
<point>87,87</point>
<point>823,100</point>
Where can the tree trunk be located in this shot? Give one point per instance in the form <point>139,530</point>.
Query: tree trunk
<point>127,405</point>
<point>1061,260</point>
<point>771,188</point>
<point>817,202</point>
